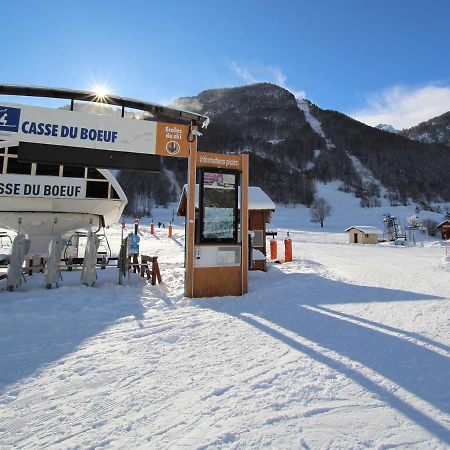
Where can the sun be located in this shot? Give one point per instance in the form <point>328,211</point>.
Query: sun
<point>101,92</point>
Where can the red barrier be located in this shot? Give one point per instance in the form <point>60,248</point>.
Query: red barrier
<point>273,249</point>
<point>152,228</point>
<point>170,231</point>
<point>287,250</point>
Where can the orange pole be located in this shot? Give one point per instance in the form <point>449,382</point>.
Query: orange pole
<point>288,250</point>
<point>273,249</point>
<point>170,231</point>
<point>152,228</point>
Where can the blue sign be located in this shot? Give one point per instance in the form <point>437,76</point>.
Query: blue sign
<point>9,118</point>
<point>134,243</point>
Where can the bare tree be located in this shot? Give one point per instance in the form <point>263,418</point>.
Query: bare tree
<point>320,210</point>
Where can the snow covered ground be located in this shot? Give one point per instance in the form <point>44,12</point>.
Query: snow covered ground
<point>347,347</point>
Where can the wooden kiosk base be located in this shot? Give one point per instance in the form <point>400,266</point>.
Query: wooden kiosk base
<point>217,281</point>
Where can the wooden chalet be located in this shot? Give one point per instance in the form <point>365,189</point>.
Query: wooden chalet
<point>445,229</point>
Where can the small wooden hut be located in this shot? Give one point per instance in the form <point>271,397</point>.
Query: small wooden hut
<point>445,229</point>
<point>363,234</point>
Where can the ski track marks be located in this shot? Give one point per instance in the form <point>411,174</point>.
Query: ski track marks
<point>141,366</point>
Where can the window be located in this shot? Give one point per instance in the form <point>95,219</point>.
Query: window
<point>218,206</point>
<point>114,194</point>
<point>14,166</point>
<point>47,169</point>
<point>73,172</point>
<point>257,239</point>
<point>96,189</point>
<point>2,158</point>
<point>95,174</point>
<point>366,235</point>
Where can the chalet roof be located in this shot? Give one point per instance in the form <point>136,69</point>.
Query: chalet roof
<point>257,200</point>
<point>445,222</point>
<point>367,229</point>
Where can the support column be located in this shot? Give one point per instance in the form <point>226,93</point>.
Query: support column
<point>190,221</point>
<point>244,222</point>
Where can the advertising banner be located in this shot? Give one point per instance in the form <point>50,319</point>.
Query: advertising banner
<point>42,186</point>
<point>60,127</point>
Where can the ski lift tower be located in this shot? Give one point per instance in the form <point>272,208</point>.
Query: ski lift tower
<point>413,225</point>
<point>392,227</point>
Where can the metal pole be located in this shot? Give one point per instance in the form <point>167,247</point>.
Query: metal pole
<point>190,220</point>
<point>121,254</point>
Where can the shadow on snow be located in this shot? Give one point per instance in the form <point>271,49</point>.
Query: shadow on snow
<point>35,332</point>
<point>421,371</point>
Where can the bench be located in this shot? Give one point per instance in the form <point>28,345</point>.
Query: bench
<point>149,267</point>
<point>32,267</point>
<point>102,261</point>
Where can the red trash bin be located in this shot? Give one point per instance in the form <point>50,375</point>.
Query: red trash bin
<point>288,250</point>
<point>273,249</point>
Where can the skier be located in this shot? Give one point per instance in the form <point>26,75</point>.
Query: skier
<point>3,119</point>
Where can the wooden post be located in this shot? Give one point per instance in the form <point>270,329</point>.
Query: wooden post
<point>190,221</point>
<point>135,263</point>
<point>244,223</point>
<point>156,275</point>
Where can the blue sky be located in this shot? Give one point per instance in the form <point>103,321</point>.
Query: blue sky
<point>380,61</point>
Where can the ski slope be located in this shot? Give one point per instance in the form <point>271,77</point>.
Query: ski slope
<point>347,347</point>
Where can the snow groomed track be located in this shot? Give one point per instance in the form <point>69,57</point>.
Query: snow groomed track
<point>334,350</point>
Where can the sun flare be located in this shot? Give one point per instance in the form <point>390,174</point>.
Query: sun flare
<point>101,91</point>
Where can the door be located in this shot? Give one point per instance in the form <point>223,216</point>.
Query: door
<point>355,238</point>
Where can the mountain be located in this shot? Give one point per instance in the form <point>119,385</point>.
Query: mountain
<point>386,127</point>
<point>292,143</point>
<point>436,130</point>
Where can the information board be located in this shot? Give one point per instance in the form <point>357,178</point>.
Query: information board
<point>218,206</point>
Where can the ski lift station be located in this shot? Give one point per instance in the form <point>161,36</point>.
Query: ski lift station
<point>54,180</point>
<point>42,200</point>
